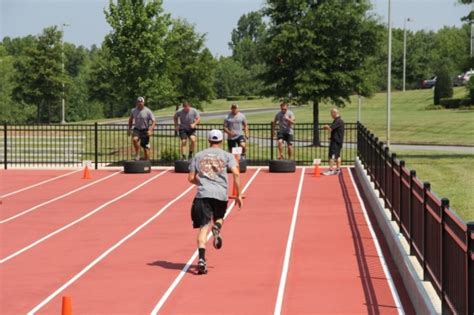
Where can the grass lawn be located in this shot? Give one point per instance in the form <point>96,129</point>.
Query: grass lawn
<point>450,175</point>
<point>411,121</point>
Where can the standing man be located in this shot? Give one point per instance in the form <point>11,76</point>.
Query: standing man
<point>236,128</point>
<point>335,144</point>
<point>208,171</point>
<point>144,122</point>
<point>285,120</point>
<point>188,118</point>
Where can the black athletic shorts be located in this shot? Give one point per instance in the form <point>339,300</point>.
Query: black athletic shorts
<point>205,209</point>
<point>288,138</point>
<point>232,143</point>
<point>334,150</point>
<point>143,136</point>
<point>186,133</point>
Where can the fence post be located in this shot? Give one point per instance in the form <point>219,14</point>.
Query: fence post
<point>444,206</point>
<point>96,145</point>
<point>470,268</point>
<point>410,209</point>
<point>272,130</point>
<point>392,196</point>
<point>5,146</point>
<point>426,187</point>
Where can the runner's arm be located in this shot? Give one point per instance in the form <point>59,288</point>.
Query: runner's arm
<point>193,178</point>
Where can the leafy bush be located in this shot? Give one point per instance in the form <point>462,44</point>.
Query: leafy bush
<point>470,89</point>
<point>444,86</point>
<point>253,97</point>
<point>454,102</point>
<point>169,155</point>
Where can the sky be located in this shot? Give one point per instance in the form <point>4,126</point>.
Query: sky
<point>216,18</point>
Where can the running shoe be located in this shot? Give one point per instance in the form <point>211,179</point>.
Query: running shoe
<point>202,267</point>
<point>217,237</point>
<point>329,173</point>
<point>137,157</point>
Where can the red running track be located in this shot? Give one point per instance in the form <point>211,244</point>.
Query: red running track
<point>13,180</point>
<point>333,268</point>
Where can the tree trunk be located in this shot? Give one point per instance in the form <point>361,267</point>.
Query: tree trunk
<point>316,141</point>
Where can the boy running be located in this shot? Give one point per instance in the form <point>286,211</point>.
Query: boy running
<point>208,171</point>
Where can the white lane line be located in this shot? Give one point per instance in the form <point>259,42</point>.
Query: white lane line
<point>107,252</point>
<point>56,198</point>
<point>289,243</point>
<point>183,271</point>
<point>24,249</point>
<point>38,184</point>
<point>393,290</point>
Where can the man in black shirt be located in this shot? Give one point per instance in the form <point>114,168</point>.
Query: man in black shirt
<point>335,144</point>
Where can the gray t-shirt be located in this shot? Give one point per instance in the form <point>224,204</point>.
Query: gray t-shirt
<point>142,118</point>
<point>284,125</point>
<point>186,119</point>
<point>235,123</point>
<point>211,166</point>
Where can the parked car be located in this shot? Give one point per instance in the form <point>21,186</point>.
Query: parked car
<point>428,84</point>
<point>463,78</point>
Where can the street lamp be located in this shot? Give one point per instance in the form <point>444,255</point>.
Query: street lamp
<point>405,49</point>
<point>389,70</point>
<point>63,108</point>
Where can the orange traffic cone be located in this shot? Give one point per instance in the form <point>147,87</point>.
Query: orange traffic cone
<point>86,174</point>
<point>67,306</point>
<point>317,173</point>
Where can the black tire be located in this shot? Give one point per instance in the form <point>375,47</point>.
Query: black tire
<point>181,166</point>
<point>282,166</point>
<point>242,166</point>
<point>137,167</point>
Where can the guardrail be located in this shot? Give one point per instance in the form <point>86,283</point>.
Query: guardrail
<point>109,144</point>
<point>442,243</point>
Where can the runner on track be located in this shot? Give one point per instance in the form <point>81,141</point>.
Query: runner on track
<point>208,171</point>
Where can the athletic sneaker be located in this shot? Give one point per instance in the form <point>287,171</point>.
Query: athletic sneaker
<point>329,173</point>
<point>337,171</point>
<point>137,157</point>
<point>202,267</point>
<point>217,237</point>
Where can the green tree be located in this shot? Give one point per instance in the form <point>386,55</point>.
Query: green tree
<point>444,85</point>
<point>247,38</point>
<point>317,50</point>
<point>247,49</point>
<point>231,78</point>
<point>190,66</point>
<point>132,60</point>
<point>39,76</point>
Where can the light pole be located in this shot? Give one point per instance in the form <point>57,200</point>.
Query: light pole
<point>63,107</point>
<point>389,70</point>
<point>359,103</point>
<point>405,50</point>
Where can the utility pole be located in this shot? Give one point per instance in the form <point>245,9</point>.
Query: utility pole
<point>63,107</point>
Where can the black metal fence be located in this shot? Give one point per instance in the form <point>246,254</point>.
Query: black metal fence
<point>442,243</point>
<point>109,144</point>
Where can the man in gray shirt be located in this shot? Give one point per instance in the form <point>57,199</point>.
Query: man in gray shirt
<point>285,120</point>
<point>143,122</point>
<point>236,128</point>
<point>208,171</point>
<point>185,122</point>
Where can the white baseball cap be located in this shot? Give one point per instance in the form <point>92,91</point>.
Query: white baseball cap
<point>215,135</point>
<point>140,99</point>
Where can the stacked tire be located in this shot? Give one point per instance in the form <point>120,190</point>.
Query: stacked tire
<point>282,166</point>
<point>137,167</point>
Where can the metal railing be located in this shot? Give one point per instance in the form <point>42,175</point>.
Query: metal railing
<point>109,144</point>
<point>442,243</point>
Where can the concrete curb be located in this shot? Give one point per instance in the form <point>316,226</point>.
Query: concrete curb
<point>422,294</point>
